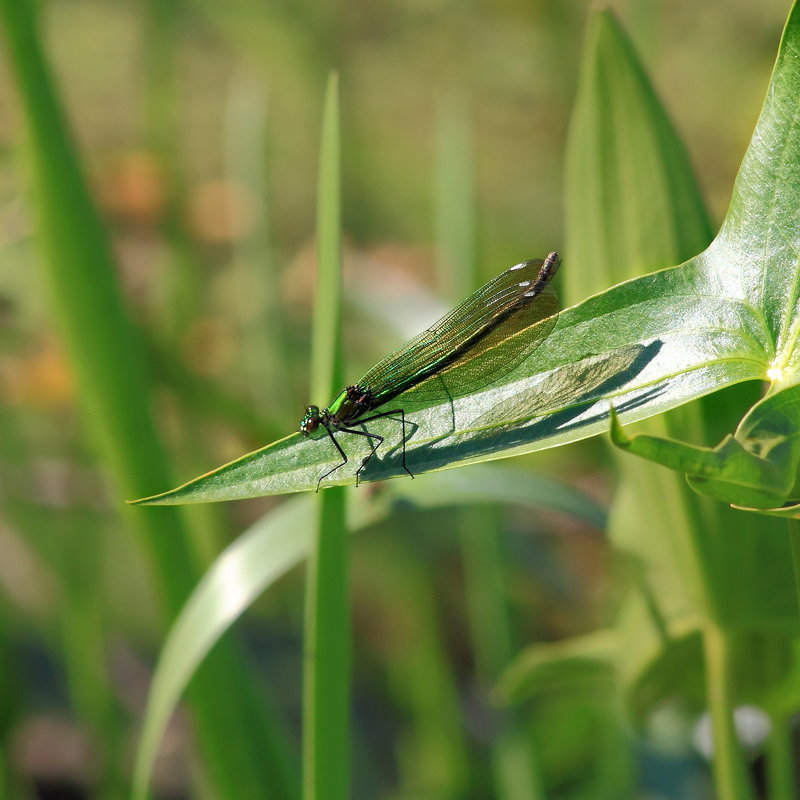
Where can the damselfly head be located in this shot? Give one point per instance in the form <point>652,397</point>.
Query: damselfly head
<point>311,420</point>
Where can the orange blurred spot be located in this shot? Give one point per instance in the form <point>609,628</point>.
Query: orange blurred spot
<point>133,188</point>
<point>221,211</point>
<point>40,379</point>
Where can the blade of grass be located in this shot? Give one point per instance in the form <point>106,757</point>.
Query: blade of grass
<point>112,386</point>
<point>326,734</point>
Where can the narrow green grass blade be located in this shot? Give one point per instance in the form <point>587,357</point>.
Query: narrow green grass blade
<point>113,392</point>
<point>101,344</point>
<point>326,676</point>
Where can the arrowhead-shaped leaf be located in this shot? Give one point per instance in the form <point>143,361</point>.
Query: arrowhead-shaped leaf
<point>647,345</point>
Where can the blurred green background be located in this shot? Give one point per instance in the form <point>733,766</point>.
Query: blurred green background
<point>198,124</point>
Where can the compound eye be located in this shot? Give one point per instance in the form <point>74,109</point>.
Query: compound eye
<point>311,420</point>
<point>309,425</point>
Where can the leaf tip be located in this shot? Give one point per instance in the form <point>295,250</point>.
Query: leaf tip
<point>615,431</point>
<point>162,499</point>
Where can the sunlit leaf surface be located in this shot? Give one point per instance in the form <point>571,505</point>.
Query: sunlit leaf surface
<point>647,345</point>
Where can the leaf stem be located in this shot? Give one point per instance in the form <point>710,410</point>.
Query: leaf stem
<point>779,760</point>
<point>730,772</point>
<point>793,526</point>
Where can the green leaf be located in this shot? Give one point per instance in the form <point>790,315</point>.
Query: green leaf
<point>574,685</point>
<point>545,667</point>
<point>632,201</point>
<point>647,345</point>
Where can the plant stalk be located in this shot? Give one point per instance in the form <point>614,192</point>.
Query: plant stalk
<point>729,765</point>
